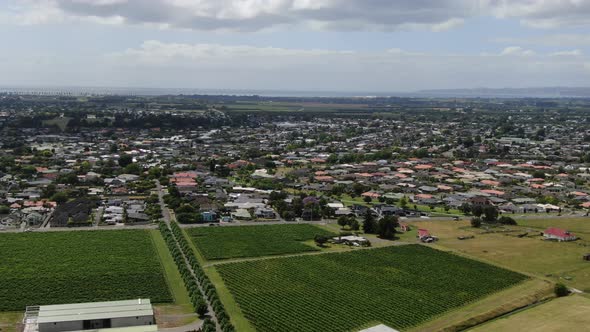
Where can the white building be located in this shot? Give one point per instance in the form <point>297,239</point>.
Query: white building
<point>90,316</point>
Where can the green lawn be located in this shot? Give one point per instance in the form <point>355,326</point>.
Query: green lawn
<point>253,241</point>
<point>173,277</point>
<point>399,286</point>
<point>81,266</point>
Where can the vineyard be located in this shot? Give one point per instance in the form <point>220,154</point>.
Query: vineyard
<point>253,241</point>
<point>399,286</point>
<point>81,266</point>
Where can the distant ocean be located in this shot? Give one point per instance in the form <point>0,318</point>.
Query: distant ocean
<point>539,92</point>
<point>116,91</point>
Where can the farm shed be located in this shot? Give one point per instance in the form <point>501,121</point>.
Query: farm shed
<point>89,316</point>
<point>558,234</point>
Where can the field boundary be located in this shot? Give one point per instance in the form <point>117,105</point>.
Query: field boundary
<point>506,301</point>
<point>175,295</point>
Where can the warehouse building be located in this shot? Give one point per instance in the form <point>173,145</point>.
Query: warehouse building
<point>102,316</point>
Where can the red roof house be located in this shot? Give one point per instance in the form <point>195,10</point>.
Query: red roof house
<point>558,234</point>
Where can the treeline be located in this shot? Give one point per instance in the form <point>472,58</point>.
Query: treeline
<point>199,296</point>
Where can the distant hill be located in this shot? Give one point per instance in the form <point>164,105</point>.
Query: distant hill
<point>544,92</point>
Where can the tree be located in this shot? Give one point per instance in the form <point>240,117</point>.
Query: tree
<point>367,199</point>
<point>343,221</point>
<point>506,220</point>
<point>186,208</point>
<point>133,168</point>
<point>125,160</point>
<point>60,197</point>
<point>320,240</point>
<point>476,222</point>
<point>358,188</point>
<point>403,202</point>
<point>4,209</point>
<point>386,227</point>
<point>477,210</point>
<point>561,290</point>
<point>201,307</point>
<point>465,208</point>
<point>490,214</point>
<point>354,224</point>
<point>48,191</point>
<point>369,224</point>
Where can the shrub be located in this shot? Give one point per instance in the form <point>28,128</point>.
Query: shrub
<point>476,222</point>
<point>506,220</point>
<point>561,290</point>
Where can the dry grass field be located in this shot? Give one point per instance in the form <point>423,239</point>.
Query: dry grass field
<point>570,313</point>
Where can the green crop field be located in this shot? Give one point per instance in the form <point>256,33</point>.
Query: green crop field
<point>253,241</point>
<point>80,266</point>
<point>399,286</point>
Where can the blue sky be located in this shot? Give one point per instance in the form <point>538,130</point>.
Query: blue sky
<point>330,45</point>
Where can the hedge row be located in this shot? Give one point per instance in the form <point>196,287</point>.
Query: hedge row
<point>197,300</point>
<point>208,288</point>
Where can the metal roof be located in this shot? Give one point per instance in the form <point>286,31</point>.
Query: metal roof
<point>142,328</point>
<point>94,310</point>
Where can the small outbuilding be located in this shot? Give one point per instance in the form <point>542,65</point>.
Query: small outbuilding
<point>553,233</point>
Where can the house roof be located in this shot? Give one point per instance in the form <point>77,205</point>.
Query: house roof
<point>94,310</point>
<point>558,232</point>
<point>423,232</point>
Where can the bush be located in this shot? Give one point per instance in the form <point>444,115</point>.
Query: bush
<point>476,222</point>
<point>506,220</point>
<point>561,290</point>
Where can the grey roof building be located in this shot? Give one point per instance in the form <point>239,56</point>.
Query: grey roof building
<point>89,316</point>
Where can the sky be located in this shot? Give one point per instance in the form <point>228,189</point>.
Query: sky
<point>297,45</point>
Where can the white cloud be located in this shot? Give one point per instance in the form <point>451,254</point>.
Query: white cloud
<point>551,40</point>
<point>516,51</point>
<point>567,53</point>
<point>248,15</point>
<point>239,66</point>
<point>543,13</point>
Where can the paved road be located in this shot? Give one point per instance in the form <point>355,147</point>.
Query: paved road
<point>166,213</point>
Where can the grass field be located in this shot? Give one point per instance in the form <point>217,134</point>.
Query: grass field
<point>399,286</point>
<point>65,267</point>
<point>556,261</point>
<point>570,313</point>
<point>180,312</point>
<point>253,241</point>
<point>580,224</point>
<point>505,301</point>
